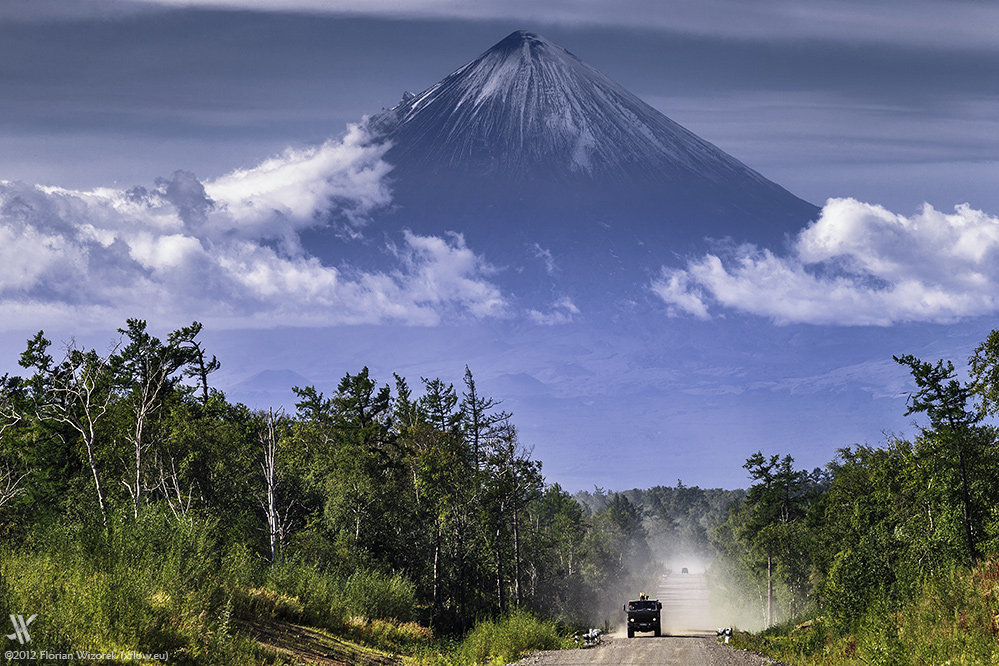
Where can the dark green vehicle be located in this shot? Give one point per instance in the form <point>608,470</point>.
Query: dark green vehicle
<point>644,615</point>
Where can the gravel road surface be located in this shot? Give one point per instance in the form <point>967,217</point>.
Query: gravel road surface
<point>686,618</point>
<point>665,651</point>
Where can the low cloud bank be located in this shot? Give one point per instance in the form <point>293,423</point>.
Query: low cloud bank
<point>858,264</point>
<point>228,251</point>
<point>955,24</point>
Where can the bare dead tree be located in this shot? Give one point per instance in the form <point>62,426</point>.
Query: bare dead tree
<point>76,393</point>
<point>9,417</point>
<point>148,367</point>
<point>10,485</point>
<point>10,482</point>
<point>278,523</point>
<point>169,487</point>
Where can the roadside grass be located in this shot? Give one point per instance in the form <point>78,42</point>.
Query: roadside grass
<point>331,600</point>
<point>506,639</point>
<point>794,643</point>
<point>146,586</point>
<point>955,622</point>
<point>499,641</point>
<point>157,585</point>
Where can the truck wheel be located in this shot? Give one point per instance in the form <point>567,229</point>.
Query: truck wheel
<point>657,633</point>
<point>631,632</point>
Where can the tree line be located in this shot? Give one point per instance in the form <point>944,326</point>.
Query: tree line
<point>861,538</point>
<point>433,484</point>
<point>679,522</point>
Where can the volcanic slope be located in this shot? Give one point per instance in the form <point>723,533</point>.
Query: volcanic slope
<point>532,154</point>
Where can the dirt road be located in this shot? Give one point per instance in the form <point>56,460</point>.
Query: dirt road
<point>686,610</point>
<point>686,617</point>
<point>665,651</point>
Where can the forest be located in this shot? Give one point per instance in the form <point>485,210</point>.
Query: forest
<point>889,555</point>
<point>142,511</point>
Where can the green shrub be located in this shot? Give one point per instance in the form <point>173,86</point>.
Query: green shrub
<point>878,641</point>
<point>508,638</point>
<point>261,602</point>
<point>319,593</point>
<point>377,596</point>
<point>955,621</point>
<point>330,600</point>
<point>389,635</point>
<point>957,618</point>
<point>159,583</point>
<point>150,584</point>
<point>444,652</point>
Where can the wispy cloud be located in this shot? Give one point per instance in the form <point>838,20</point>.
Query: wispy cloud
<point>545,256</point>
<point>562,311</point>
<point>858,264</point>
<point>228,251</point>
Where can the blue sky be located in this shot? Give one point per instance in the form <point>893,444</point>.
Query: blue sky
<point>879,106</point>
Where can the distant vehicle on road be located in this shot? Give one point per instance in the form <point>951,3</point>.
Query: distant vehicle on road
<point>684,570</point>
<point>644,615</point>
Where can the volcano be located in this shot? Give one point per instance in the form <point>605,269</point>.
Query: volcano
<point>527,150</point>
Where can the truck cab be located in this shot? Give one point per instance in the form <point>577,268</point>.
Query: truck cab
<point>644,614</point>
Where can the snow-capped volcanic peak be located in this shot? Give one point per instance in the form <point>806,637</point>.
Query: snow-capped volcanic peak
<point>513,73</point>
<point>528,145</point>
<point>527,104</point>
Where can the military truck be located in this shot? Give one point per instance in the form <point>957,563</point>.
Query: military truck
<point>644,615</point>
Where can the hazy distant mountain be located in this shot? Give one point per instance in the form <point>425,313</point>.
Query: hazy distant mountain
<point>526,150</point>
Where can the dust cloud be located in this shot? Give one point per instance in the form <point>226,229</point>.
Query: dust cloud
<point>733,601</point>
<point>698,598</point>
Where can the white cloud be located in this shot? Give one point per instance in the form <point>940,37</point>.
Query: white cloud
<point>858,264</point>
<point>678,289</point>
<point>346,176</point>
<point>441,271</point>
<point>562,311</point>
<point>207,250</point>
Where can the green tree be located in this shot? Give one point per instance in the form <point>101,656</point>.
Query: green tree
<point>513,480</point>
<point>954,440</point>
<point>207,458</point>
<point>482,422</point>
<point>353,460</point>
<point>877,532</point>
<point>554,566</point>
<point>448,497</point>
<point>985,373</point>
<point>775,503</point>
<point>147,372</point>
